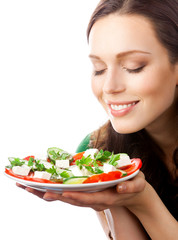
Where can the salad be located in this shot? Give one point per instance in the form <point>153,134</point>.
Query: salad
<point>90,166</point>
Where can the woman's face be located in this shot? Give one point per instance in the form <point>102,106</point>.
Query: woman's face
<point>132,76</point>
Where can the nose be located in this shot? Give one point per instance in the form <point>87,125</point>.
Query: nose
<point>113,82</point>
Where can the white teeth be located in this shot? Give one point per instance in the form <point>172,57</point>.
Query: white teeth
<point>120,107</point>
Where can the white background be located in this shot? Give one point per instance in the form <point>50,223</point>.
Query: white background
<point>46,101</point>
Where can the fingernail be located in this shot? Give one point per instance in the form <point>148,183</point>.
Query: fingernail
<point>48,198</point>
<point>121,188</point>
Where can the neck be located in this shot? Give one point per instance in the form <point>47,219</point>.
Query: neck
<point>164,130</point>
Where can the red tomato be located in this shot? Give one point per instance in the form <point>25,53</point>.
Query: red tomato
<point>28,178</point>
<point>27,158</point>
<point>77,157</point>
<point>99,163</point>
<point>136,164</point>
<point>103,177</point>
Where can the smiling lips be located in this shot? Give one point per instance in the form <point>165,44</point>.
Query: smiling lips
<point>121,109</point>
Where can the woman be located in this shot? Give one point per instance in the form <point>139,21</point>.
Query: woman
<point>134,51</point>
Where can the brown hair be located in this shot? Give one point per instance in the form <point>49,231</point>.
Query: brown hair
<point>163,14</point>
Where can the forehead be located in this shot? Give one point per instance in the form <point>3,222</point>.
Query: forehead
<point>119,33</point>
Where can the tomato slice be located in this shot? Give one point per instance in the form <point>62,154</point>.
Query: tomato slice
<point>103,177</point>
<point>28,158</point>
<point>114,175</point>
<point>136,164</point>
<point>28,178</point>
<point>77,157</point>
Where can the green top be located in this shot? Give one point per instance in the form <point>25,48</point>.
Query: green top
<point>84,145</point>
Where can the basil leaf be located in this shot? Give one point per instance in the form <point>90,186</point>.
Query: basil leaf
<point>90,169</point>
<point>98,170</point>
<point>16,162</point>
<point>65,174</point>
<point>114,158</point>
<point>52,170</point>
<point>31,162</point>
<point>103,155</point>
<point>40,166</point>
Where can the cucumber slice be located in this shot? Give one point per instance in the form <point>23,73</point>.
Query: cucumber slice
<point>124,173</point>
<point>55,153</point>
<point>75,180</point>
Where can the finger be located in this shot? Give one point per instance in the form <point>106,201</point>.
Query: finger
<point>49,196</point>
<point>135,185</point>
<point>35,192</point>
<point>20,185</point>
<point>31,190</point>
<point>106,197</point>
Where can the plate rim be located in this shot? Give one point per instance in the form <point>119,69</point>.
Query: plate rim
<point>75,187</point>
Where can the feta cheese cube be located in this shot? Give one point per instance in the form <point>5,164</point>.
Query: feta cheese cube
<point>42,174</point>
<point>86,172</point>
<point>46,164</point>
<point>108,168</point>
<point>21,170</point>
<point>76,171</point>
<point>123,161</point>
<point>62,163</point>
<point>124,156</point>
<point>90,152</point>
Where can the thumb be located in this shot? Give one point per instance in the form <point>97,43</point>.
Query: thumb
<point>135,185</point>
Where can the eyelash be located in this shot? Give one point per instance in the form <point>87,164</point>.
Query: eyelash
<point>137,70</point>
<point>96,73</point>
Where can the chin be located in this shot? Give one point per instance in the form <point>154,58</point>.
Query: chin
<point>125,129</point>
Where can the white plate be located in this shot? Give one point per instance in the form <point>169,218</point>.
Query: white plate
<point>59,188</point>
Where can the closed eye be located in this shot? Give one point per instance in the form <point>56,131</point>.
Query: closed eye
<point>96,73</point>
<point>136,70</point>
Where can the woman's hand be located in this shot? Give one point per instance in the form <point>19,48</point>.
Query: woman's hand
<point>124,194</point>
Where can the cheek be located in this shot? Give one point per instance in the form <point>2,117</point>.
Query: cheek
<point>155,86</point>
<point>96,88</point>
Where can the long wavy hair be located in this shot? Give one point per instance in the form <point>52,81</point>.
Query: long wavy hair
<point>163,14</point>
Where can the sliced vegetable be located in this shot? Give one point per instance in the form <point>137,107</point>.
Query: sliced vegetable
<point>100,166</point>
<point>136,164</point>
<point>77,157</point>
<point>75,180</point>
<point>105,177</point>
<point>28,178</point>
<point>55,153</point>
<point>28,158</point>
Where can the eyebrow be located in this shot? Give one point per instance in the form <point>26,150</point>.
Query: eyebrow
<point>122,54</point>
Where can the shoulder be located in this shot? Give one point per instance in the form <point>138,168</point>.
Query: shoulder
<point>84,144</point>
<point>95,139</point>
